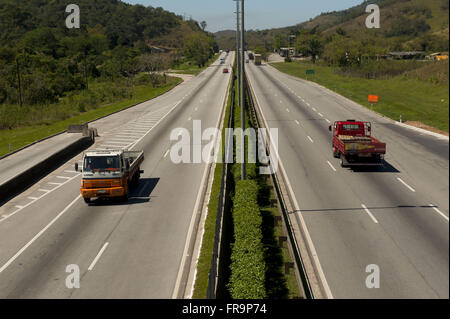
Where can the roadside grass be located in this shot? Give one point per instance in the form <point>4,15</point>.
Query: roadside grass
<point>21,136</point>
<point>407,96</point>
<point>190,68</point>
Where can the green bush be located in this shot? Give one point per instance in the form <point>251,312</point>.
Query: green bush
<point>247,258</point>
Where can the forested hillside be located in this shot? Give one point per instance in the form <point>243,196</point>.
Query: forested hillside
<point>41,60</point>
<point>405,25</point>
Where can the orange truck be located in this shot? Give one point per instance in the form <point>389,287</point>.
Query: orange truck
<point>258,58</point>
<point>110,174</point>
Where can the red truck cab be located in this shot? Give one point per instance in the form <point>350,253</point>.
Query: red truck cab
<point>354,145</point>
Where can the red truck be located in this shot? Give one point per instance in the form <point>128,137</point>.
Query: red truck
<point>354,145</point>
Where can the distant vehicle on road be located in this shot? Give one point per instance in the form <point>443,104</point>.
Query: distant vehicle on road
<point>247,61</point>
<point>258,59</point>
<point>251,56</point>
<point>354,145</point>
<point>225,70</point>
<point>110,174</point>
<point>222,60</point>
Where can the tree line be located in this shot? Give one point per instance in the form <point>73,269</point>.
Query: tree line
<point>41,60</point>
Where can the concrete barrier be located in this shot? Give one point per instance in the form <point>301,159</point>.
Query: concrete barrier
<point>77,128</point>
<point>24,180</point>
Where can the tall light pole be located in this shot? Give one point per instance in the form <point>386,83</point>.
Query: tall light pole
<point>290,45</point>
<point>238,59</point>
<point>243,170</point>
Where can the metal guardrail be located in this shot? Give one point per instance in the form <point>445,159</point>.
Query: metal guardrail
<point>218,236</point>
<point>256,119</point>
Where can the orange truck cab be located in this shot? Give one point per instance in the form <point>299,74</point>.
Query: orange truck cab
<point>354,145</point>
<point>258,58</point>
<point>110,174</point>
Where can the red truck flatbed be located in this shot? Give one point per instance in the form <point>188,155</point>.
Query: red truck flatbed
<point>354,145</point>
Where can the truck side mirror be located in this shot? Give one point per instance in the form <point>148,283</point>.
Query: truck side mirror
<point>369,129</point>
<point>76,167</point>
<point>329,128</point>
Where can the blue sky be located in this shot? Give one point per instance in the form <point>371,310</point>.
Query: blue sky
<point>260,14</point>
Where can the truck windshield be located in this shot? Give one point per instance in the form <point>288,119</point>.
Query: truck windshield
<point>101,163</point>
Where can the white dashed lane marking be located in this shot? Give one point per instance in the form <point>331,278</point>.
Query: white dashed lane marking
<point>331,165</point>
<point>369,213</point>
<point>439,212</point>
<point>409,187</point>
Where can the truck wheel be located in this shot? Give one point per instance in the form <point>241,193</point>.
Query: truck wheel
<point>335,154</point>
<point>87,200</point>
<point>342,161</point>
<point>136,179</point>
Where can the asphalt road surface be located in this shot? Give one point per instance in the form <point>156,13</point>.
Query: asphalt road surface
<point>123,250</point>
<point>394,217</point>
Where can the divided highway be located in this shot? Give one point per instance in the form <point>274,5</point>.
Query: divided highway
<point>123,250</point>
<point>394,217</point>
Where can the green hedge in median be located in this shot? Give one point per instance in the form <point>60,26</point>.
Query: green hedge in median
<point>247,258</point>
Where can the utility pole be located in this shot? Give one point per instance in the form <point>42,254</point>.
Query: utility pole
<point>20,84</point>
<point>291,36</point>
<point>243,168</point>
<point>85,72</point>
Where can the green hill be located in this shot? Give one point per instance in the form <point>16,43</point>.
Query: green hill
<point>42,60</point>
<point>405,25</point>
<point>121,23</point>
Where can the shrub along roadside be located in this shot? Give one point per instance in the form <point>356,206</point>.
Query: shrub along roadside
<point>248,267</point>
<point>277,284</point>
<point>247,258</point>
<point>190,68</point>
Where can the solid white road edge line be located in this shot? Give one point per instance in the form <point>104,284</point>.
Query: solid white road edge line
<point>38,235</point>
